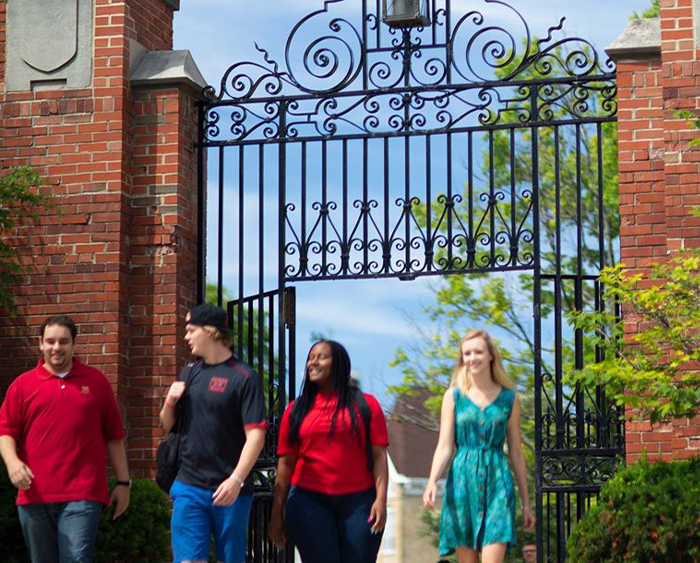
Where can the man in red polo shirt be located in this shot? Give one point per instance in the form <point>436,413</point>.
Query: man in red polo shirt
<point>56,425</point>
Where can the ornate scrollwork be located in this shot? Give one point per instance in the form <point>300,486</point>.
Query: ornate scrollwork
<point>386,239</point>
<point>578,470</point>
<point>338,73</point>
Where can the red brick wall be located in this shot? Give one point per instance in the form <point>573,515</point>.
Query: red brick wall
<point>660,182</point>
<point>119,256</point>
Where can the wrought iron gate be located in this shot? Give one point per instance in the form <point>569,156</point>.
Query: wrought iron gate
<point>459,147</point>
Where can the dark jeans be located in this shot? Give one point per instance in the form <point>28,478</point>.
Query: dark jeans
<point>332,528</point>
<point>60,532</point>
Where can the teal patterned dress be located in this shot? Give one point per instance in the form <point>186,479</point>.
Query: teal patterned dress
<point>478,507</point>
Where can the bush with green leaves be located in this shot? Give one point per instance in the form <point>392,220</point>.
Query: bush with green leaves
<point>19,202</point>
<point>140,535</point>
<point>12,547</point>
<point>648,512</point>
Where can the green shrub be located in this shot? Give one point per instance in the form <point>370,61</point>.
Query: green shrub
<point>142,533</point>
<point>647,513</point>
<point>12,547</point>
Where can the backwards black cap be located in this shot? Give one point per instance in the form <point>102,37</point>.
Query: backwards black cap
<point>207,314</point>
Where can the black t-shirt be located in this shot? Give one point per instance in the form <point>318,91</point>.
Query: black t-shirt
<point>219,403</point>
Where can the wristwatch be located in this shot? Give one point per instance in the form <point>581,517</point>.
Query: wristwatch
<point>124,483</point>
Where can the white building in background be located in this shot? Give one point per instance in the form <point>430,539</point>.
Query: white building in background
<point>411,447</point>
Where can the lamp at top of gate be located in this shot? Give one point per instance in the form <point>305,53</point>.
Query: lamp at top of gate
<point>405,13</point>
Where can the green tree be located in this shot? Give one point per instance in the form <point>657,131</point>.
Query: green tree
<point>652,11</point>
<point>654,371</point>
<point>19,201</point>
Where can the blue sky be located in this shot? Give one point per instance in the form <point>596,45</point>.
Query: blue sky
<point>373,317</point>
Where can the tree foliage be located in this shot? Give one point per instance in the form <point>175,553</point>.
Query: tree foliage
<point>655,371</point>
<point>19,201</point>
<point>653,11</point>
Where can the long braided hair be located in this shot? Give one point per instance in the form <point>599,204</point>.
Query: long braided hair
<point>342,386</point>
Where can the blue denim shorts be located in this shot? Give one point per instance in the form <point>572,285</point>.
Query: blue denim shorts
<point>195,519</point>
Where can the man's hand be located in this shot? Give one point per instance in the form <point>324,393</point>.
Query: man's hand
<point>121,495</point>
<point>227,493</point>
<point>174,393</point>
<point>20,474</point>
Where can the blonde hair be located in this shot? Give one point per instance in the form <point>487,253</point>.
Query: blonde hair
<point>460,373</point>
<point>219,335</point>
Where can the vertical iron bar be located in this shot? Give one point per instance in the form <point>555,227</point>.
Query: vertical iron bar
<point>324,207</point>
<point>449,203</point>
<point>220,242</point>
<point>250,310</point>
<point>428,206</point>
<point>580,395</point>
<point>363,53</point>
<point>558,326</point>
<point>513,223</point>
<point>291,329</point>
<point>603,423</point>
<point>378,30</point>
<point>346,242</point>
<point>201,205</point>
<point>273,375</point>
<point>365,208</point>
<point>386,247</point>
<point>471,244</point>
<point>537,321</point>
<point>304,255</point>
<point>270,371</point>
<point>492,204</point>
<point>578,294</point>
<point>241,240</point>
<point>261,261</point>
<point>407,203</point>
<point>282,203</point>
<point>448,41</point>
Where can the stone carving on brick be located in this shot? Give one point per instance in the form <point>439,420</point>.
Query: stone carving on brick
<point>49,44</point>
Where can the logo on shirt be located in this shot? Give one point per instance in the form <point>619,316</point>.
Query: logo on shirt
<point>218,384</point>
<point>85,390</point>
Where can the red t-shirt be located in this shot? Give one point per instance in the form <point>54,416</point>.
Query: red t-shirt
<point>338,466</point>
<point>61,427</point>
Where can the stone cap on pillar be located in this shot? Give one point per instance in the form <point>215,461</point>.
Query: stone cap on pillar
<point>641,39</point>
<point>158,68</point>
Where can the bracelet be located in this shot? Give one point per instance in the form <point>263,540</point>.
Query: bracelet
<point>238,480</point>
<point>124,483</point>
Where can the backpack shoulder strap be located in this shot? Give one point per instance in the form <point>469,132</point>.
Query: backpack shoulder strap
<point>180,406</point>
<point>366,415</point>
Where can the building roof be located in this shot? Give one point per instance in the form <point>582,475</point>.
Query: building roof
<point>411,442</point>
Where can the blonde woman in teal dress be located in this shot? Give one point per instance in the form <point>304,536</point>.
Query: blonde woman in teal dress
<point>480,411</point>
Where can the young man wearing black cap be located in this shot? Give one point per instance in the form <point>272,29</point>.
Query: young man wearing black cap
<point>221,402</point>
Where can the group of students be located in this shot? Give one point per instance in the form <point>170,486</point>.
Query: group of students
<point>332,475</point>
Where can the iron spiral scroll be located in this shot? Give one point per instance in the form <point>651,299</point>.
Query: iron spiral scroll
<point>357,77</point>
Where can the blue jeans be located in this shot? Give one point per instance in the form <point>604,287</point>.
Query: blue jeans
<point>60,532</point>
<point>332,528</point>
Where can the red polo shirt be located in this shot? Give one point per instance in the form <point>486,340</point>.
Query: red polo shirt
<point>61,427</point>
<point>337,466</point>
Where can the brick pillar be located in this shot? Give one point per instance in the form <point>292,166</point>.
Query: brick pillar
<point>117,155</point>
<point>658,72</point>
